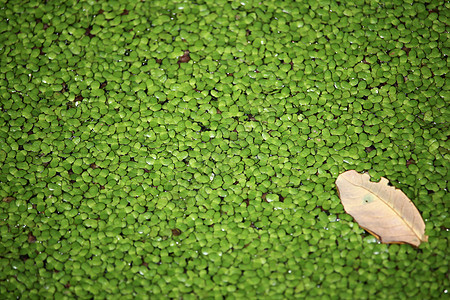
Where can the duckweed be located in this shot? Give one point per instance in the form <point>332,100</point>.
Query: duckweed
<point>189,149</point>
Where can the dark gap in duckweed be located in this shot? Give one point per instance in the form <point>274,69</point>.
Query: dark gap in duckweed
<point>24,257</point>
<point>88,32</point>
<point>64,88</point>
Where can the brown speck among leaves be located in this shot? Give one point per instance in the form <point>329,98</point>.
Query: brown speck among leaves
<point>410,162</point>
<point>264,197</point>
<point>8,199</point>
<point>185,57</point>
<point>176,232</point>
<point>31,238</point>
<point>79,98</point>
<point>93,166</point>
<point>251,117</point>
<point>370,149</point>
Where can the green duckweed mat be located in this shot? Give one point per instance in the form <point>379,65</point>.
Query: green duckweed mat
<point>189,149</point>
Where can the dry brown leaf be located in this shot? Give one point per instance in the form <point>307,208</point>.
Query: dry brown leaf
<point>382,210</point>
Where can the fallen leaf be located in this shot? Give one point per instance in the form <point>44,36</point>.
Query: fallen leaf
<point>384,211</point>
